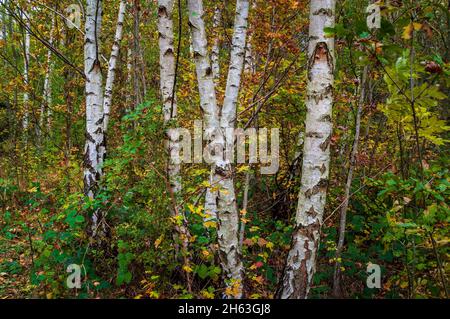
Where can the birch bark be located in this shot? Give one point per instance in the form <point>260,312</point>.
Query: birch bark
<point>47,82</point>
<point>217,18</point>
<point>113,65</point>
<point>167,68</point>
<point>26,63</point>
<point>95,141</point>
<point>215,131</point>
<point>167,80</point>
<point>228,215</point>
<point>301,261</point>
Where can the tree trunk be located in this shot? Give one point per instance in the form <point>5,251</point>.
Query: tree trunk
<point>244,209</point>
<point>217,18</point>
<point>167,80</point>
<point>301,260</point>
<point>95,141</point>
<point>167,69</point>
<point>26,63</point>
<point>221,174</point>
<point>47,83</point>
<point>337,292</point>
<point>113,65</point>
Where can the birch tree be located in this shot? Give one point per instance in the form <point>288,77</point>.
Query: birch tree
<point>26,66</point>
<point>215,128</point>
<point>47,82</point>
<point>167,70</point>
<point>98,102</point>
<point>228,215</point>
<point>167,80</point>
<point>301,260</point>
<point>112,65</point>
<point>95,140</point>
<point>217,18</point>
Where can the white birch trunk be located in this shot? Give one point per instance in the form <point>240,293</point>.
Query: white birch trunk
<point>301,261</point>
<point>216,42</point>
<point>249,66</point>
<point>228,214</point>
<point>206,87</point>
<point>47,83</point>
<point>112,65</point>
<point>167,79</point>
<point>93,159</point>
<point>129,80</point>
<point>26,63</point>
<point>221,174</point>
<point>167,70</point>
<point>249,63</point>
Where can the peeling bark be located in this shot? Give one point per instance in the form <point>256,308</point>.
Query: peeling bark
<point>93,159</point>
<point>206,87</point>
<point>167,70</point>
<point>47,83</point>
<point>167,80</point>
<point>301,260</point>
<point>221,173</point>
<point>217,18</point>
<point>112,65</point>
<point>26,63</point>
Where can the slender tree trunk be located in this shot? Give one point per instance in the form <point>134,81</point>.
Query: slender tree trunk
<point>217,18</point>
<point>26,63</point>
<point>301,260</point>
<point>343,218</point>
<point>244,209</point>
<point>227,211</point>
<point>113,65</point>
<point>167,67</point>
<point>95,140</point>
<point>136,54</point>
<point>211,192</point>
<point>167,80</point>
<point>206,88</point>
<point>47,83</point>
<point>222,173</point>
<point>249,63</point>
<point>128,95</point>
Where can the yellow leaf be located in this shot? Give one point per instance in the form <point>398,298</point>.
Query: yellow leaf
<point>187,268</point>
<point>206,294</point>
<point>407,32</point>
<point>417,26</point>
<point>254,229</point>
<point>243,168</point>
<point>245,220</point>
<point>159,241</point>
<point>210,224</point>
